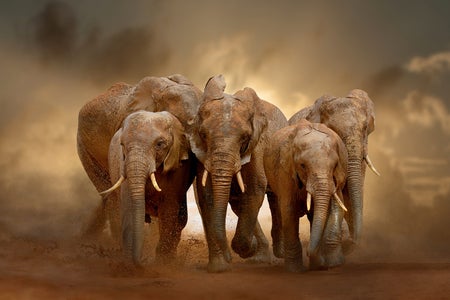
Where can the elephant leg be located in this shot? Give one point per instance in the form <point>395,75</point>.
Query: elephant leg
<point>347,244</point>
<point>112,208</point>
<point>244,241</point>
<point>219,255</point>
<point>101,180</point>
<point>262,254</point>
<point>276,231</point>
<point>293,253</point>
<point>173,218</point>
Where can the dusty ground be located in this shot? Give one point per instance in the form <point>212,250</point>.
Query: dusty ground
<point>92,270</point>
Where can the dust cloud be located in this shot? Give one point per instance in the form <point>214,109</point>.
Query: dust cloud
<point>291,54</point>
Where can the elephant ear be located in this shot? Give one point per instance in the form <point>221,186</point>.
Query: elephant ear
<point>145,94</point>
<point>368,106</point>
<point>301,115</point>
<point>323,107</point>
<point>341,168</point>
<point>116,156</point>
<point>214,88</point>
<point>180,148</point>
<point>259,119</point>
<point>370,114</point>
<point>180,79</point>
<point>197,146</point>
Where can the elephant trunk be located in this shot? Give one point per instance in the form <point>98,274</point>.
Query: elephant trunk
<point>354,184</point>
<point>222,171</point>
<point>322,195</point>
<point>221,193</point>
<point>137,174</point>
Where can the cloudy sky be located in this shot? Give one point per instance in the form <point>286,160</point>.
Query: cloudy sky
<point>57,55</point>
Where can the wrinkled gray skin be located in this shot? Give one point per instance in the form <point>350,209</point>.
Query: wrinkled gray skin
<point>353,119</point>
<point>151,143</point>
<point>301,158</point>
<point>99,119</point>
<point>231,133</point>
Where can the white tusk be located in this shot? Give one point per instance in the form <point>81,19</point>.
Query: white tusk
<point>308,201</point>
<point>155,184</point>
<point>339,201</point>
<point>204,177</point>
<point>370,164</point>
<point>115,186</point>
<point>240,181</point>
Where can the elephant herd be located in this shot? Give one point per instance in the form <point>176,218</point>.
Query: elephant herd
<point>144,145</point>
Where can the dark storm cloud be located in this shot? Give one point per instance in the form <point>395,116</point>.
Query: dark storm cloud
<point>383,81</point>
<point>55,31</point>
<point>130,54</point>
<point>126,55</point>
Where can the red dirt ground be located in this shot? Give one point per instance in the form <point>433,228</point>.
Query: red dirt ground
<point>86,270</point>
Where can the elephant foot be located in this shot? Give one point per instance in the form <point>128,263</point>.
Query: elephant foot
<point>262,255</point>
<point>278,249</point>
<point>244,248</point>
<point>218,264</point>
<point>327,260</point>
<point>348,246</point>
<point>294,265</point>
<point>317,263</point>
<point>335,258</point>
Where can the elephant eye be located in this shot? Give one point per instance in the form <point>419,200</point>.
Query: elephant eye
<point>160,144</point>
<point>202,134</point>
<point>299,182</point>
<point>244,145</point>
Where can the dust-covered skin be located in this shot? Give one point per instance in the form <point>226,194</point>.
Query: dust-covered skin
<point>308,161</point>
<point>353,118</point>
<point>149,158</point>
<point>231,133</point>
<point>100,118</point>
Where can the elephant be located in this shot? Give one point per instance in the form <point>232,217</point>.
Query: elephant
<point>149,160</point>
<point>353,118</point>
<point>303,162</point>
<point>229,137</point>
<point>99,119</point>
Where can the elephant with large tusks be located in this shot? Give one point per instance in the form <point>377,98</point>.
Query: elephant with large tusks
<point>353,118</point>
<point>306,167</point>
<point>99,120</point>
<point>231,133</point>
<point>149,161</point>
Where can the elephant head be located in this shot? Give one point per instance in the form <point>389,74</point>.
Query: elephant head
<point>319,162</point>
<point>353,119</point>
<point>227,131</point>
<point>147,144</point>
<point>175,94</point>
<point>229,125</point>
